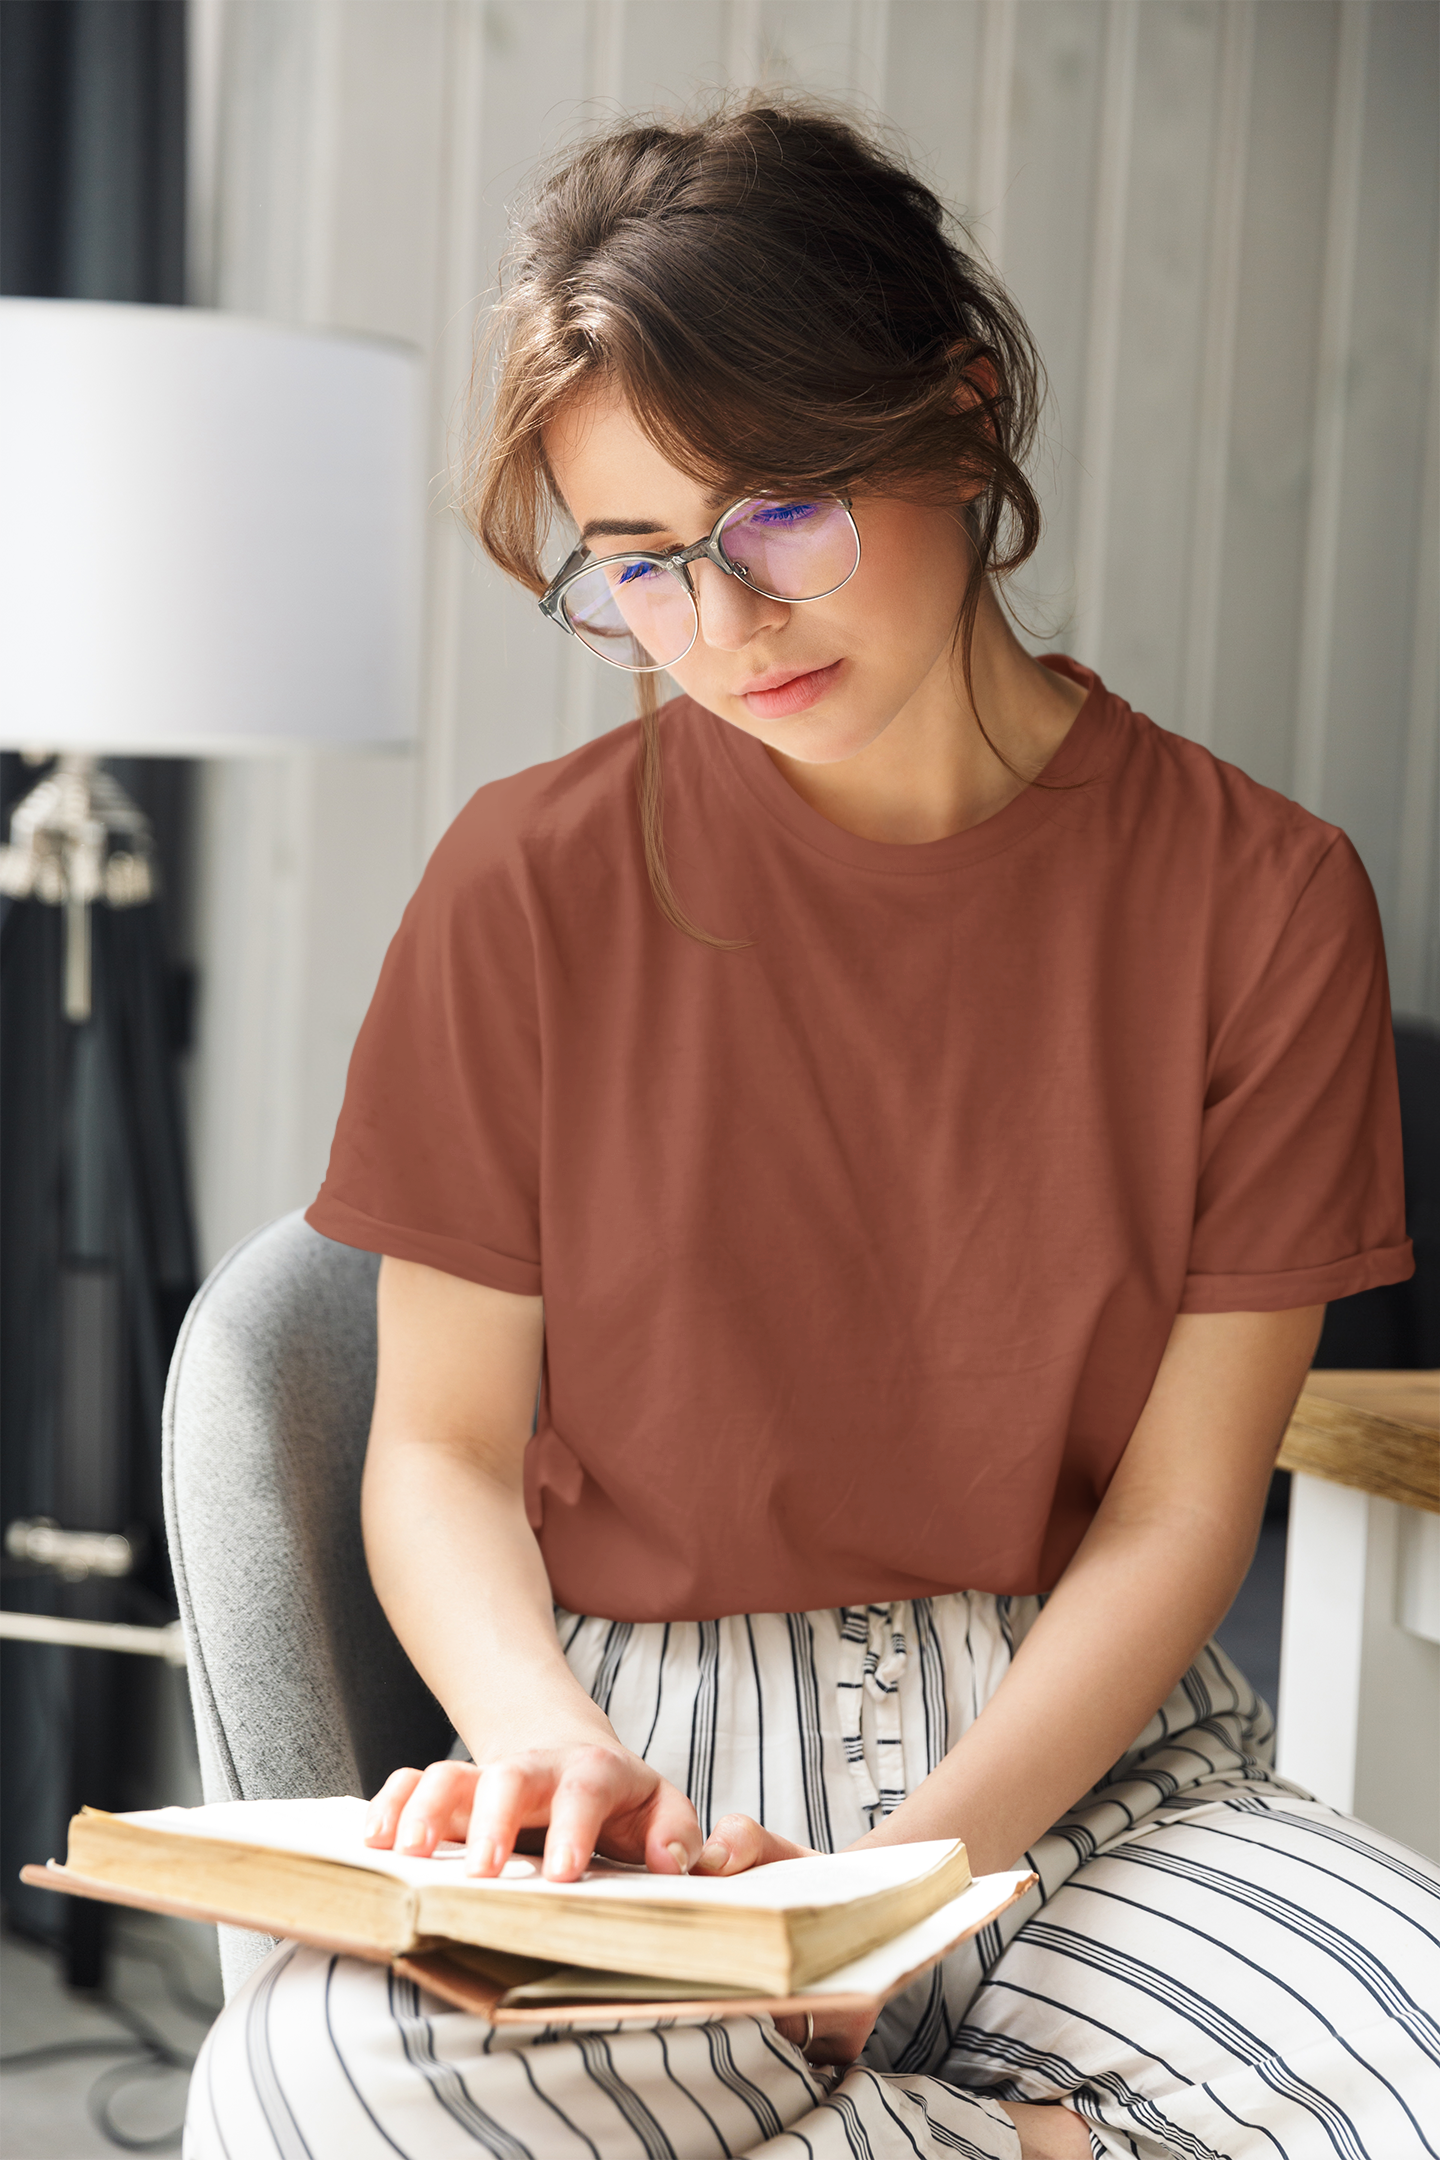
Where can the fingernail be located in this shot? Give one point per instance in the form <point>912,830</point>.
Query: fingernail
<point>412,1837</point>
<point>713,1859</point>
<point>373,1822</point>
<point>680,1858</point>
<point>563,1861</point>
<point>480,1857</point>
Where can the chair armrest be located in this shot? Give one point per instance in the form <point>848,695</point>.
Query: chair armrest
<point>1378,1432</point>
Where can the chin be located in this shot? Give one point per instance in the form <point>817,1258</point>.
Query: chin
<point>824,741</point>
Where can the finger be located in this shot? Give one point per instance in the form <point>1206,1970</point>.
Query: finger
<point>673,1837</point>
<point>738,1842</point>
<point>385,1807</point>
<point>439,1807</point>
<point>508,1795</point>
<point>595,1785</point>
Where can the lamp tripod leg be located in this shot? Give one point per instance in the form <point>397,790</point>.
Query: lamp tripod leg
<point>77,958</point>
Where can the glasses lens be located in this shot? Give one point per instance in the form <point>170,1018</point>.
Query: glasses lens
<point>793,550</point>
<point>632,614</point>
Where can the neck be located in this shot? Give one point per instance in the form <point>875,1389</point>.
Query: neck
<point>933,772</point>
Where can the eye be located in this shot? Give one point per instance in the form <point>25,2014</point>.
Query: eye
<point>783,513</point>
<point>635,570</point>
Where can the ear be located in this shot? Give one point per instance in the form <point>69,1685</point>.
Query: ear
<point>979,386</point>
<point>980,381</point>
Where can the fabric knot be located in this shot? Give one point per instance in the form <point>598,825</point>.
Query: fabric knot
<point>873,1657</point>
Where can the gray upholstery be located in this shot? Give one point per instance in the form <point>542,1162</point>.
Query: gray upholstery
<point>299,1686</point>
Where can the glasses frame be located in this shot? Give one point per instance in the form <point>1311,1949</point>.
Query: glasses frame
<point>580,562</point>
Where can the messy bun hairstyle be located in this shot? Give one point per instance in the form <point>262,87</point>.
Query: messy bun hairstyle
<point>786,308</point>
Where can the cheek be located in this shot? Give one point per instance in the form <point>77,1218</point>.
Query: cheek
<point>911,578</point>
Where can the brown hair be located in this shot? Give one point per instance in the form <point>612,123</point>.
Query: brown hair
<point>784,305</point>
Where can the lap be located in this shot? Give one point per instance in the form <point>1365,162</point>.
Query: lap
<point>1253,1975</point>
<point>324,2058</point>
<point>1249,1974</point>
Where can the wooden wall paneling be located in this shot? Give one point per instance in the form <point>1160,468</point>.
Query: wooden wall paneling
<point>675,52</point>
<point>1151,497</point>
<point>1220,220</point>
<point>992,163</point>
<point>1322,538</point>
<point>821,45</point>
<point>512,701</point>
<point>450,565</point>
<point>1195,716</point>
<point>932,62</point>
<point>1273,387</point>
<point>1386,352</point>
<point>1415,946</point>
<point>1104,325</point>
<point>1049,234</point>
<point>330,170</point>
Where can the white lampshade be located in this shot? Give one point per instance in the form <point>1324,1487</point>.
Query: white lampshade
<point>210,532</point>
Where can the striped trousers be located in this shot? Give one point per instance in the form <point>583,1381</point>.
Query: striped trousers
<point>1213,1964</point>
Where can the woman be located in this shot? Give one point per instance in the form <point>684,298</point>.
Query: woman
<point>936,1106</point>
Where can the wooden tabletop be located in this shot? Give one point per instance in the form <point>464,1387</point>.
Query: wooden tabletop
<point>1376,1431</point>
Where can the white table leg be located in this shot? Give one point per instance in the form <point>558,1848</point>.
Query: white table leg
<point>1359,1710</point>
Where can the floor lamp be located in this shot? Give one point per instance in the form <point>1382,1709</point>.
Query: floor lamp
<point>210,544</point>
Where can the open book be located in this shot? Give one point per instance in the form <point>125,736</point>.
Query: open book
<point>619,1943</point>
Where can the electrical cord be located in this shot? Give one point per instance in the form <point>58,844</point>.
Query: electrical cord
<point>153,2052</point>
<point>60,2050</point>
<point>147,2052</point>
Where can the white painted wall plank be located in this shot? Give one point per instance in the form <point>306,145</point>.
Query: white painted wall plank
<point>1151,497</point>
<point>1239,530</point>
<point>1049,246</point>
<point>1272,416</point>
<point>1386,368</point>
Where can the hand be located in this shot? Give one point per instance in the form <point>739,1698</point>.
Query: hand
<point>738,1842</point>
<point>591,1794</point>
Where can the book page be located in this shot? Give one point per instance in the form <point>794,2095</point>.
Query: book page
<point>334,1830</point>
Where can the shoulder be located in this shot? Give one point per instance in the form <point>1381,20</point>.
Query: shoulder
<point>565,836</point>
<point>1217,835</point>
<point>511,831</point>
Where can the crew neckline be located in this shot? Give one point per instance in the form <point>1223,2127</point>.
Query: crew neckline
<point>1083,755</point>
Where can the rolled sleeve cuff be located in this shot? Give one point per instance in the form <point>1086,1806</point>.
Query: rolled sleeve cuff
<point>1298,1286</point>
<point>452,1256</point>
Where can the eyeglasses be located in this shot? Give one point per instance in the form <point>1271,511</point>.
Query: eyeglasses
<point>639,611</point>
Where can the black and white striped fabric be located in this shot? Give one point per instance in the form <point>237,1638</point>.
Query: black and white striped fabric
<point>1215,1967</point>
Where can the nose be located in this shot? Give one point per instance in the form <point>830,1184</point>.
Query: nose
<point>730,613</point>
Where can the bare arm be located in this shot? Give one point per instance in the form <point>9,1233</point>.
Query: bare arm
<point>456,1567</point>
<point>1153,1577</point>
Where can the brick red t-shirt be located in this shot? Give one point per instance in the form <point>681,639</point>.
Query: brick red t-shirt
<point>860,1247</point>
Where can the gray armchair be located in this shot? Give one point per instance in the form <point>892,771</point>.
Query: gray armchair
<point>298,1684</point>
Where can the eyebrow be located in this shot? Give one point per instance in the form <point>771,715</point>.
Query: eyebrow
<point>642,528</point>
<point>619,529</point>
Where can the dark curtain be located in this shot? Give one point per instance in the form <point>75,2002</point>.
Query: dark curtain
<point>96,1248</point>
<point>92,134</point>
<point>1397,1328</point>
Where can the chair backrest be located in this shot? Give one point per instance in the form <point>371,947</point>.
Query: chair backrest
<point>298,1684</point>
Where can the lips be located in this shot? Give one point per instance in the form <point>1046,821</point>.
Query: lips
<point>777,695</point>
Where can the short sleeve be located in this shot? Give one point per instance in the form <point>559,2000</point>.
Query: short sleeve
<point>436,1154</point>
<point>1301,1195</point>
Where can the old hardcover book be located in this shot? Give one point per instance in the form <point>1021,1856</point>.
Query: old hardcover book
<point>619,1944</point>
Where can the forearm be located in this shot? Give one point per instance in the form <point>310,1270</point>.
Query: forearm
<point>1151,1580</point>
<point>485,1643</point>
<point>1126,1620</point>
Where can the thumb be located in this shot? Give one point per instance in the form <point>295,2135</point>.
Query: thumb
<point>738,1842</point>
